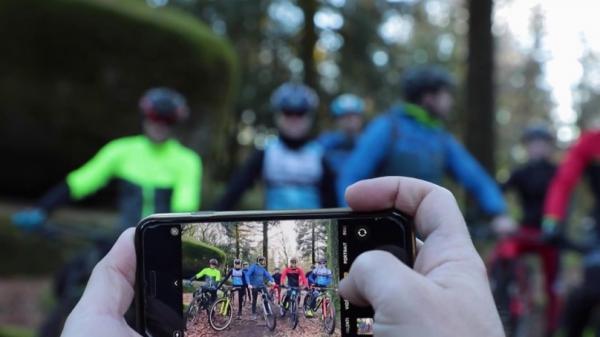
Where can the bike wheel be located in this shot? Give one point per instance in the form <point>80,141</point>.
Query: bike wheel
<point>268,315</point>
<point>191,316</point>
<point>306,302</point>
<point>294,313</point>
<point>220,315</point>
<point>329,322</point>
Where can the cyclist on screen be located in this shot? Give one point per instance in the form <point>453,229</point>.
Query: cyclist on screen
<point>292,166</point>
<point>582,157</point>
<point>277,287</point>
<point>409,140</point>
<point>210,275</point>
<point>295,279</point>
<point>256,278</point>
<point>320,278</point>
<point>531,181</point>
<point>237,282</point>
<point>348,111</point>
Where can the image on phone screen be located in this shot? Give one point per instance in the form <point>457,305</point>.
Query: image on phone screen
<point>269,278</point>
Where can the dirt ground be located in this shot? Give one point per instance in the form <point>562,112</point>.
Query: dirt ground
<point>21,301</point>
<point>307,327</point>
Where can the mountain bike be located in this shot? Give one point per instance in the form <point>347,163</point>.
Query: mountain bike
<point>293,299</point>
<point>201,301</point>
<point>324,305</point>
<point>70,281</point>
<point>267,307</point>
<point>221,312</point>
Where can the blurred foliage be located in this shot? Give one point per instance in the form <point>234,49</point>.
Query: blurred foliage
<point>73,70</point>
<point>196,255</point>
<point>9,331</point>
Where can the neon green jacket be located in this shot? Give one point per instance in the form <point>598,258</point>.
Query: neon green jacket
<point>153,178</point>
<point>213,273</point>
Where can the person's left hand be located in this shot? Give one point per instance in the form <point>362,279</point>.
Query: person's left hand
<point>107,296</point>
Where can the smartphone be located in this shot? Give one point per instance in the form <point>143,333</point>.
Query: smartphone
<point>214,274</point>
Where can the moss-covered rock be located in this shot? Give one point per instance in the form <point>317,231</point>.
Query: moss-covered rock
<point>71,72</point>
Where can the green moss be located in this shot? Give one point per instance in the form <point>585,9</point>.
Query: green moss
<point>73,71</point>
<point>196,255</point>
<point>13,331</point>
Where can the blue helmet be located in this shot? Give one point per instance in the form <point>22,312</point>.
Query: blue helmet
<point>294,98</point>
<point>347,104</point>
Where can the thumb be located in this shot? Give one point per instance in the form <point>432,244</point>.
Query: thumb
<point>375,276</point>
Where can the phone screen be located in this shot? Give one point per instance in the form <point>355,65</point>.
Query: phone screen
<point>277,276</point>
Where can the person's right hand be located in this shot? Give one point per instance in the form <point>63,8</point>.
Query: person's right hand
<point>250,286</point>
<point>447,293</point>
<point>30,219</point>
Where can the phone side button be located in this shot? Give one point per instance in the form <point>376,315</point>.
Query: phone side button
<point>152,284</point>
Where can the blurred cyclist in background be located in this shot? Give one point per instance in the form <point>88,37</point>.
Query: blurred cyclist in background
<point>582,157</point>
<point>531,182</point>
<point>348,111</point>
<point>292,166</point>
<point>155,173</point>
<point>409,140</point>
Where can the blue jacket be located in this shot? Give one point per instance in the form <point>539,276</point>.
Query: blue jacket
<point>257,275</point>
<point>405,141</point>
<point>338,148</point>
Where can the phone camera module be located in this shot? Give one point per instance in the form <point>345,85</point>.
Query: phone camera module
<point>174,231</point>
<point>177,333</point>
<point>362,232</point>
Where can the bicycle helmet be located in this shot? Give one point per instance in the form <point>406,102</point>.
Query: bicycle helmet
<point>323,260</point>
<point>294,98</point>
<point>418,81</point>
<point>347,104</point>
<point>237,261</point>
<point>293,260</point>
<point>535,132</point>
<point>164,105</point>
<point>213,262</point>
<point>260,258</point>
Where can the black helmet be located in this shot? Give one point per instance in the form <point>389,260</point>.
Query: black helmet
<point>293,260</point>
<point>419,81</point>
<point>213,262</point>
<point>237,261</point>
<point>164,105</point>
<point>260,258</point>
<point>539,131</point>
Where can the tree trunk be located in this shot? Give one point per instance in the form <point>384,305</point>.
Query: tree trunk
<point>307,44</point>
<point>265,243</point>
<point>480,107</point>
<point>313,241</point>
<point>237,240</point>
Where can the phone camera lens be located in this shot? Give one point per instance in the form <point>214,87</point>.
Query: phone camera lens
<point>177,333</point>
<point>362,232</point>
<point>174,231</point>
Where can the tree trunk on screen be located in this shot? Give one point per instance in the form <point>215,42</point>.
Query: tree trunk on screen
<point>237,240</point>
<point>313,241</point>
<point>480,107</point>
<point>265,242</point>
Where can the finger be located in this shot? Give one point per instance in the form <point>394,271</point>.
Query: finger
<point>428,203</point>
<point>377,275</point>
<point>110,288</point>
<point>436,215</point>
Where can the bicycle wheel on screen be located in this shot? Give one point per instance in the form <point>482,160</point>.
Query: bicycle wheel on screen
<point>329,316</point>
<point>221,314</point>
<point>268,314</point>
<point>294,313</point>
<point>191,315</point>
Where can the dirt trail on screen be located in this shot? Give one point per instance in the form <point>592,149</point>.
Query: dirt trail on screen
<point>246,327</point>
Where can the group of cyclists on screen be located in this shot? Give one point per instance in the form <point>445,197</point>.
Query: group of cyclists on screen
<point>248,281</point>
<point>156,173</point>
